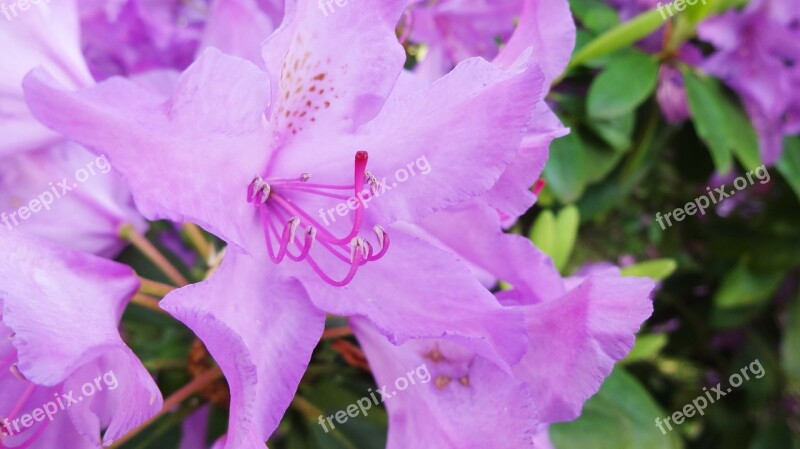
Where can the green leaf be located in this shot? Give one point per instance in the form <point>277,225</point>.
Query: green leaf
<point>332,395</point>
<point>742,288</point>
<point>566,169</point>
<point>721,124</point>
<point>618,37</point>
<point>789,163</point>
<point>621,416</point>
<point>616,132</point>
<point>543,232</point>
<point>627,81</point>
<point>772,435</point>
<point>656,269</point>
<point>594,15</point>
<point>602,160</point>
<point>647,347</point>
<point>566,232</point>
<point>790,345</point>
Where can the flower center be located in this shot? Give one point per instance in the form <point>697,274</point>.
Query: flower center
<point>282,218</point>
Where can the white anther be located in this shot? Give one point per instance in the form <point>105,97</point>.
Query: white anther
<point>17,373</point>
<point>294,222</point>
<point>305,177</point>
<point>262,188</point>
<point>381,236</point>
<point>371,179</point>
<point>257,182</point>
<point>358,244</point>
<point>311,233</point>
<point>265,191</point>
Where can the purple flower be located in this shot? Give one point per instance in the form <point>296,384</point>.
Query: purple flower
<point>670,91</point>
<point>66,195</point>
<point>671,94</point>
<point>61,309</point>
<point>51,187</point>
<point>303,127</point>
<point>47,36</point>
<point>126,37</point>
<point>758,55</point>
<point>547,31</point>
<point>238,27</point>
<point>455,30</point>
<point>577,330</point>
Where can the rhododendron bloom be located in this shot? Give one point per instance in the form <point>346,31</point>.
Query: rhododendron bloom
<point>60,312</point>
<point>256,156</point>
<point>578,329</point>
<point>39,192</point>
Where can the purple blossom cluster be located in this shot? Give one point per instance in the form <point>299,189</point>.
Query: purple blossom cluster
<point>755,51</point>
<point>247,117</point>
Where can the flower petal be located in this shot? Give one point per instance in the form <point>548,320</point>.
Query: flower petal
<point>419,291</point>
<point>207,141</point>
<point>576,339</point>
<point>485,111</point>
<point>507,257</point>
<point>336,65</point>
<point>249,319</point>
<point>452,398</point>
<point>45,34</point>
<point>85,215</point>
<point>64,308</point>
<point>548,27</point>
<point>238,27</point>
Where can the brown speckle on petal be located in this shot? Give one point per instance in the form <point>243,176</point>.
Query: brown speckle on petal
<point>442,381</point>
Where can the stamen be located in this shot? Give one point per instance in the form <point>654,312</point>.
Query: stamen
<point>349,277</point>
<point>383,241</point>
<point>258,188</point>
<point>276,209</point>
<point>17,373</point>
<point>358,245</point>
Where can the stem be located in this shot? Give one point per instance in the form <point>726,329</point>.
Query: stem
<point>164,364</point>
<point>198,240</point>
<point>351,354</point>
<point>173,401</point>
<point>337,332</point>
<point>307,409</point>
<point>154,288</point>
<point>618,37</point>
<point>148,302</point>
<point>141,243</point>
